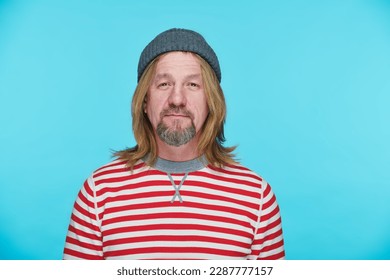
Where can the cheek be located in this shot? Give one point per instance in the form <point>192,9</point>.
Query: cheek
<point>152,110</point>
<point>205,108</point>
<point>202,114</point>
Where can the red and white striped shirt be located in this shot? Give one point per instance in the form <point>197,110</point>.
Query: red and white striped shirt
<point>206,213</point>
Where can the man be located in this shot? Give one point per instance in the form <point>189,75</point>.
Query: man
<point>179,193</point>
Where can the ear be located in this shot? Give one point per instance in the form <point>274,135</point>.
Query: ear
<point>145,103</point>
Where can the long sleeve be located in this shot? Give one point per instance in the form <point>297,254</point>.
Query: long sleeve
<point>268,243</point>
<point>83,240</point>
<point>228,213</point>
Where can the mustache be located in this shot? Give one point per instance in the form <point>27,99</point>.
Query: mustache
<point>176,110</point>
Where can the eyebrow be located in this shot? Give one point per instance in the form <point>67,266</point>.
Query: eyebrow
<point>162,75</point>
<point>193,76</point>
<point>169,76</point>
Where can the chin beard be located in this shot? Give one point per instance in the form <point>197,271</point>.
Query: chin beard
<point>175,137</point>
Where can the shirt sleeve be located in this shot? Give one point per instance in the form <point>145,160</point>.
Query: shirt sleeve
<point>83,240</point>
<point>268,243</point>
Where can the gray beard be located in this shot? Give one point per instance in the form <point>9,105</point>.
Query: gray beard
<point>175,137</point>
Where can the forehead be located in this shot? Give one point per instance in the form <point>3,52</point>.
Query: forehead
<point>178,60</point>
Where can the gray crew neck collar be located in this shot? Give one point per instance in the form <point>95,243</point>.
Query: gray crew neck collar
<point>169,166</point>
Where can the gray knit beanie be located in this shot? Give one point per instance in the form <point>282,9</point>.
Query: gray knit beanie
<point>178,39</point>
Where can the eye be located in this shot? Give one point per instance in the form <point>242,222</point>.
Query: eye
<point>193,85</point>
<point>163,85</point>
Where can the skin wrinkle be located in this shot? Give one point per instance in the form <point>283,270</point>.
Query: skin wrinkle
<point>176,105</point>
<point>145,119</point>
<point>176,137</point>
<point>176,110</point>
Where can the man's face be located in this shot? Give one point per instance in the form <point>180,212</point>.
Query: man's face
<point>176,103</point>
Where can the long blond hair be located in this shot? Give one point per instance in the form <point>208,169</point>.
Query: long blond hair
<point>212,135</point>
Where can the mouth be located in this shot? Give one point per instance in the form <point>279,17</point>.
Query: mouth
<point>176,116</point>
<point>176,113</point>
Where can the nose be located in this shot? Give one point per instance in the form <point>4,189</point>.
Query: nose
<point>177,96</point>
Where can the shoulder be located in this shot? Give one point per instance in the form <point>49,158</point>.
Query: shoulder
<point>246,178</point>
<point>239,174</point>
<point>115,170</point>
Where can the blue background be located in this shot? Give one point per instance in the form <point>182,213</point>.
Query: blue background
<point>307,85</point>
